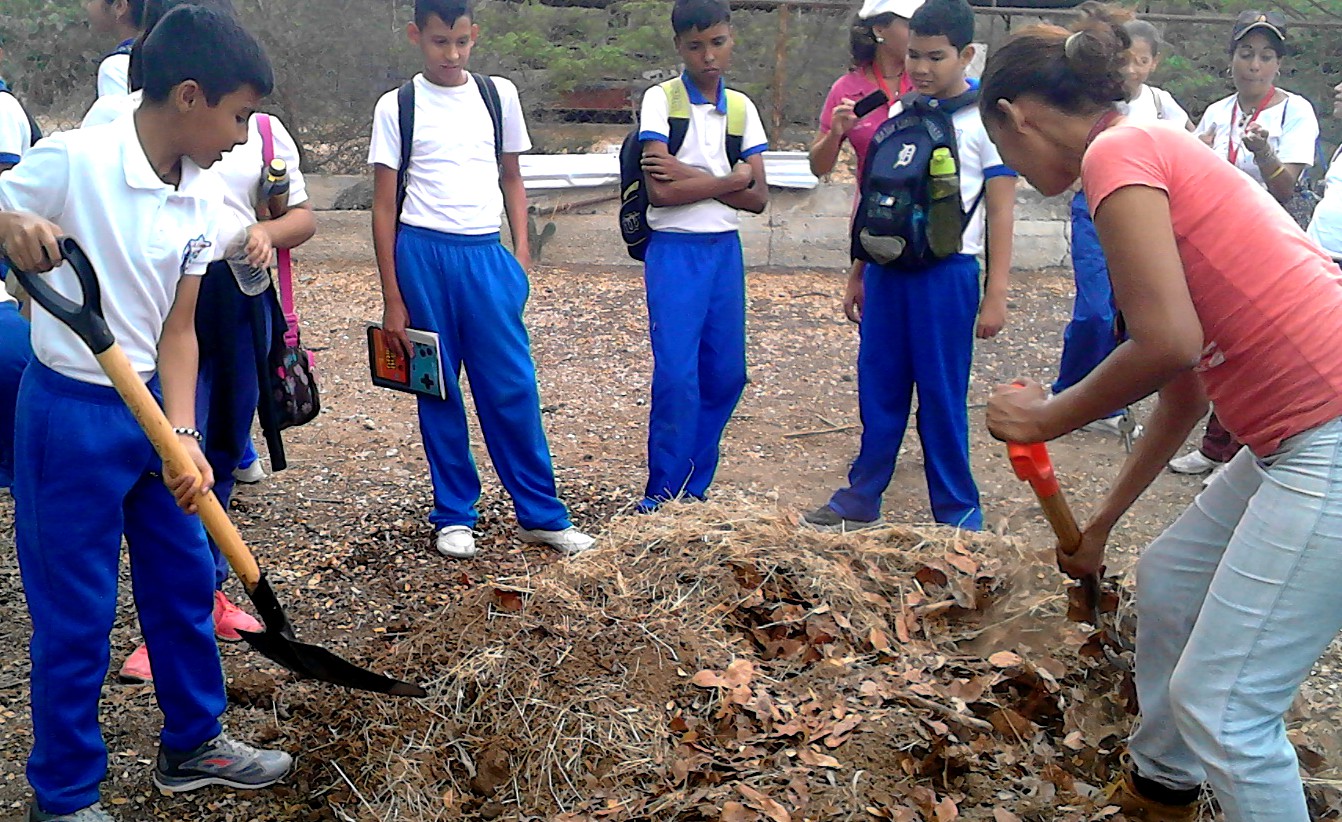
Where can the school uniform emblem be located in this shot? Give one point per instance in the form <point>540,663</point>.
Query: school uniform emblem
<point>190,254</point>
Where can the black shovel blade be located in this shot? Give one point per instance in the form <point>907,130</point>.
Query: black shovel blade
<point>278,643</point>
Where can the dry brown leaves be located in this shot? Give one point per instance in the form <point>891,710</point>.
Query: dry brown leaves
<point>718,663</point>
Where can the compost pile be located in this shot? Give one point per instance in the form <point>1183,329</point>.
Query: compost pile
<point>721,663</point>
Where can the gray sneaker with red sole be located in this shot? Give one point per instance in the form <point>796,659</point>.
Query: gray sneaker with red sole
<point>221,761</point>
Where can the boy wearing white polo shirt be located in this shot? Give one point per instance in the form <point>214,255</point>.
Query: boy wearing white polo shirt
<point>444,270</point>
<point>85,473</point>
<point>693,269</point>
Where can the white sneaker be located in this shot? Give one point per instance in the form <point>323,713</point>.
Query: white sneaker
<point>250,475</point>
<point>569,541</point>
<point>1194,462</point>
<point>1220,469</point>
<point>457,542</point>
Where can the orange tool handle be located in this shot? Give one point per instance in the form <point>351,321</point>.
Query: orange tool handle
<point>1032,464</point>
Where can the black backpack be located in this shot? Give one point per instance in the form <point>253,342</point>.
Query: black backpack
<point>633,188</point>
<point>890,226</point>
<point>405,103</point>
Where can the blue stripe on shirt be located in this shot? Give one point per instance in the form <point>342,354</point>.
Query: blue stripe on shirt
<point>652,136</point>
<point>11,159</point>
<point>753,150</point>
<point>998,171</point>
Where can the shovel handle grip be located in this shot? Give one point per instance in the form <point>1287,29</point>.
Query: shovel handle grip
<point>85,317</point>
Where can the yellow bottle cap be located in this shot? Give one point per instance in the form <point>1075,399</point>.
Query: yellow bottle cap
<point>943,164</point>
<point>277,170</point>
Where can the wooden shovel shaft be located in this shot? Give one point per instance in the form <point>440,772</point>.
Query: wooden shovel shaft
<point>176,461</point>
<point>1059,516</point>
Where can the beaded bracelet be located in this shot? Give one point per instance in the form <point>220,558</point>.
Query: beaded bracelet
<point>189,432</point>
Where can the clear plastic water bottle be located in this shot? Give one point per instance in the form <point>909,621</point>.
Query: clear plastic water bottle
<point>274,199</point>
<point>944,222</point>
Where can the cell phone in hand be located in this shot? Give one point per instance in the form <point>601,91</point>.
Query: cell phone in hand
<point>870,103</point>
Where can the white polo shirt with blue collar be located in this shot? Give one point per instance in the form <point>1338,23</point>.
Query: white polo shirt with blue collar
<point>705,148</point>
<point>141,234</point>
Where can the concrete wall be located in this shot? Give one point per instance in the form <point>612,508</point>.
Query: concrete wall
<point>801,229</point>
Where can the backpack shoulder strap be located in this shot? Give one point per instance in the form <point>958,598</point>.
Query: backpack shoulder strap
<point>736,113</point>
<point>677,99</point>
<point>283,258</point>
<point>736,125</point>
<point>405,118</point>
<point>677,113</point>
<point>494,105</point>
<point>267,138</point>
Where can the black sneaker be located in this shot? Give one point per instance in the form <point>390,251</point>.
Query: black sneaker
<point>221,761</point>
<point>93,813</point>
<point>827,519</point>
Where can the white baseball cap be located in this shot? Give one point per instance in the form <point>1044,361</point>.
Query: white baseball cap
<point>899,8</point>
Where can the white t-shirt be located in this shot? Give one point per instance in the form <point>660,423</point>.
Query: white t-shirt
<point>141,234</point>
<point>705,148</point>
<point>453,182</point>
<point>1326,226</point>
<point>111,107</point>
<point>1292,131</point>
<point>114,75</point>
<point>15,133</point>
<point>1154,104</point>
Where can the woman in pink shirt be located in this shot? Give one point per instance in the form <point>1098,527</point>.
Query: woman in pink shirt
<point>879,39</point>
<point>1224,298</point>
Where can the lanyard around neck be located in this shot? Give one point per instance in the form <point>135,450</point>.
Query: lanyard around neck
<point>1232,153</point>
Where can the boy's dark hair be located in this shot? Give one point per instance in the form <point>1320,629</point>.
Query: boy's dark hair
<point>449,11</point>
<point>953,19</point>
<point>207,46</point>
<point>690,15</point>
<point>862,37</point>
<point>156,10</point>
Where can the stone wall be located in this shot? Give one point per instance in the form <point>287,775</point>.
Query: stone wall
<point>801,229</point>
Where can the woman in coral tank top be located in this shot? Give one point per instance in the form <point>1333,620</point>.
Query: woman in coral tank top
<point>1224,298</point>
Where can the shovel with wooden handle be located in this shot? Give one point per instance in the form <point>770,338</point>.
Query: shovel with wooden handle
<point>277,641</point>
<point>1032,464</point>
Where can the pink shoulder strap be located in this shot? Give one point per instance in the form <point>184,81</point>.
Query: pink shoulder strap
<point>285,259</point>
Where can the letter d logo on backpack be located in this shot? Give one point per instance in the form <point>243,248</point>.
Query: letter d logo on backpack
<point>909,213</point>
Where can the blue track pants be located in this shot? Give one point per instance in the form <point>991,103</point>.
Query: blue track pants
<point>917,333</point>
<point>697,321</point>
<point>16,350</point>
<point>473,293</point>
<point>1090,336</point>
<point>83,479</point>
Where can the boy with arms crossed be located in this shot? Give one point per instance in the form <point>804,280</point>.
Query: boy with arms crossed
<point>694,269</point>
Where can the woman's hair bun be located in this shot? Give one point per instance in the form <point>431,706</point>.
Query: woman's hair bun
<point>1097,50</point>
